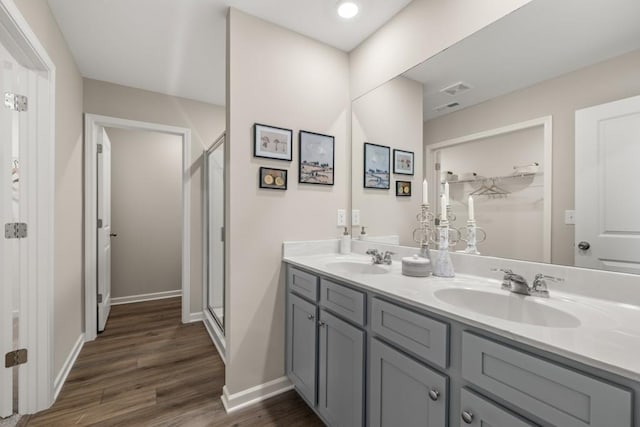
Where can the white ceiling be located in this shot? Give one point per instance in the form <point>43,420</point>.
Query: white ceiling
<point>540,41</point>
<point>178,46</point>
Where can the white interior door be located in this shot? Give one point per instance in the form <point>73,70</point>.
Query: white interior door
<point>104,230</point>
<point>215,208</point>
<point>607,198</point>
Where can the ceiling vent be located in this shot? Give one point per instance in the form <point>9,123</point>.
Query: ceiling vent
<point>447,106</point>
<point>456,89</point>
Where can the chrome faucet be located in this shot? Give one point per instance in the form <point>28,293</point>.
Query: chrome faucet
<point>378,257</point>
<point>517,284</point>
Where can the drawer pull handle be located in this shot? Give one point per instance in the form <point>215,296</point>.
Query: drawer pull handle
<point>467,417</point>
<point>321,324</point>
<point>434,394</point>
<point>310,317</point>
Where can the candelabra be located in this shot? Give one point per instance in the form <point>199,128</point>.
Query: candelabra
<point>470,233</point>
<point>443,266</point>
<point>423,234</point>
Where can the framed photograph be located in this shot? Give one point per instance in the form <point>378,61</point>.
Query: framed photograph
<point>316,158</point>
<point>403,188</point>
<point>403,162</point>
<point>275,179</point>
<point>376,166</point>
<point>271,142</point>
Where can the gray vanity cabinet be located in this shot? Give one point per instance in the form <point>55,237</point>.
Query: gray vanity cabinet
<point>301,346</point>
<point>404,392</point>
<point>341,372</point>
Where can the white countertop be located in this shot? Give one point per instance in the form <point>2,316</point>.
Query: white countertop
<point>608,336</point>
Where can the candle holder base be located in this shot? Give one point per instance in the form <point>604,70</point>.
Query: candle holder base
<point>443,266</point>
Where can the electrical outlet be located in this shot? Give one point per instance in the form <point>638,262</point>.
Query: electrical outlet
<point>570,217</point>
<point>342,218</point>
<point>355,217</point>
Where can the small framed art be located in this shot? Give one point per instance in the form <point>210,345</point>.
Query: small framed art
<point>272,142</point>
<point>316,158</point>
<point>403,162</point>
<point>274,179</point>
<point>403,188</point>
<point>376,166</point>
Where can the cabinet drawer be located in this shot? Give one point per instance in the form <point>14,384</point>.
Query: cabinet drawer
<point>343,301</point>
<point>481,412</point>
<point>404,392</point>
<point>303,284</point>
<point>558,395</point>
<point>425,337</point>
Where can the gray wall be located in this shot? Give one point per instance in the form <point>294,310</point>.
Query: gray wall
<point>146,209</point>
<point>560,97</point>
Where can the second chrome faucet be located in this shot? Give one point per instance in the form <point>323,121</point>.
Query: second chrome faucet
<point>378,257</point>
<point>515,283</point>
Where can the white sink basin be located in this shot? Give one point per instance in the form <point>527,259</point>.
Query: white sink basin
<point>356,267</point>
<point>508,306</point>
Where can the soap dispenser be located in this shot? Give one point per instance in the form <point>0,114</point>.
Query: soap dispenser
<point>363,233</point>
<point>345,242</point>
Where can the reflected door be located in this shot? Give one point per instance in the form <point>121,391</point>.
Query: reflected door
<point>104,230</point>
<point>607,199</point>
<point>215,238</point>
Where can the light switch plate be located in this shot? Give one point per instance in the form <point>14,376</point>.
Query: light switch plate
<point>355,217</point>
<point>342,218</point>
<point>570,217</point>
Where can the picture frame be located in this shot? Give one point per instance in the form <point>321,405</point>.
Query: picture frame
<point>403,188</point>
<point>377,165</point>
<point>271,142</point>
<point>316,158</point>
<point>403,162</point>
<point>273,179</point>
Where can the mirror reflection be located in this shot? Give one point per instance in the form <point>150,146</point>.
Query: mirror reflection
<point>499,119</point>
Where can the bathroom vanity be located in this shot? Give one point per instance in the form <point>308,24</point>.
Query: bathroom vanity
<point>368,346</point>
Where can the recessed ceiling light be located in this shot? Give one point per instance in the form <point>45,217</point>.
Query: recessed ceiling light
<point>347,9</point>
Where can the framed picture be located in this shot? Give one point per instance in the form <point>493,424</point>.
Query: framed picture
<point>271,142</point>
<point>316,158</point>
<point>403,188</point>
<point>403,162</point>
<point>275,179</point>
<point>376,166</point>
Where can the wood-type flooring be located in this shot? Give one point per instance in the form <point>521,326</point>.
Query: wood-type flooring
<point>149,369</point>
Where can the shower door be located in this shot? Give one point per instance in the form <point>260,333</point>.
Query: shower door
<point>215,230</point>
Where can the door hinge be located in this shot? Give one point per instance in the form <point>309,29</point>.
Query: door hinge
<point>16,102</point>
<point>15,230</point>
<point>438,166</point>
<point>222,234</point>
<point>15,358</point>
<point>99,223</point>
<point>99,298</point>
<point>99,148</point>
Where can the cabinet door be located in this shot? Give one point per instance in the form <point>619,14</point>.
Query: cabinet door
<point>341,400</point>
<point>479,412</point>
<point>302,334</point>
<point>404,392</point>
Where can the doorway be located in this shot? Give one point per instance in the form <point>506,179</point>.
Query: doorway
<point>97,296</point>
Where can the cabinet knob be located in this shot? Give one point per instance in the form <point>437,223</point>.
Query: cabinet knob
<point>467,417</point>
<point>584,246</point>
<point>310,317</point>
<point>434,394</point>
<point>321,324</point>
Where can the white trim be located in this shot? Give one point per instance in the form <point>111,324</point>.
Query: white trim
<point>195,317</point>
<point>146,297</point>
<point>216,334</point>
<point>67,366</point>
<point>253,395</point>
<point>93,124</point>
<point>36,299</point>
<point>547,123</point>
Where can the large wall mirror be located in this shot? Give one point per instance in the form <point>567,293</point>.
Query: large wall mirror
<point>526,117</point>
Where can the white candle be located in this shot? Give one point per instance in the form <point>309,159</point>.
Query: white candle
<point>425,192</point>
<point>443,208</point>
<point>446,192</point>
<point>471,212</point>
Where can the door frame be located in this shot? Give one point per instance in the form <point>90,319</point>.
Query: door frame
<point>94,123</point>
<point>546,122</point>
<point>36,380</point>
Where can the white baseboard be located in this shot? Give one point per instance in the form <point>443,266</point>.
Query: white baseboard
<point>196,317</point>
<point>216,334</point>
<point>66,368</point>
<point>146,297</point>
<point>253,395</point>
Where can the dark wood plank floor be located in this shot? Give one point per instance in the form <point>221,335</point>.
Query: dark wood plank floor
<point>148,369</point>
